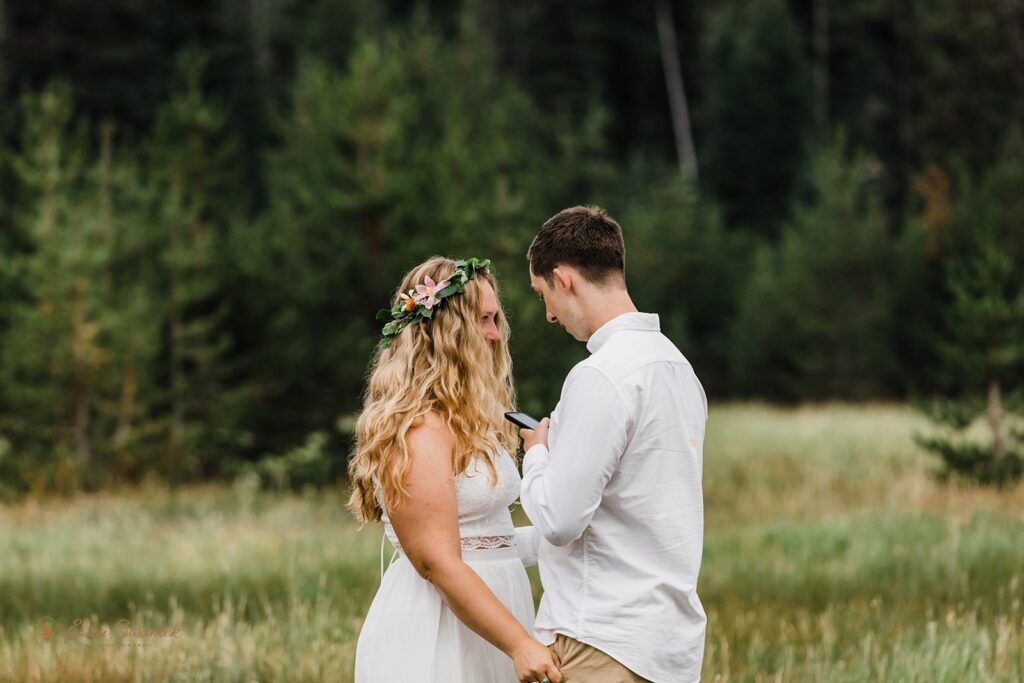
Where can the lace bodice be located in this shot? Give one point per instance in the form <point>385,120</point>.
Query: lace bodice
<point>484,518</point>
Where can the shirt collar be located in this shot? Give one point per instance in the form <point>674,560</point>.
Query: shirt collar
<point>625,321</point>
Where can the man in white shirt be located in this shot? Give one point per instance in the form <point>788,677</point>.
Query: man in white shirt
<point>613,479</point>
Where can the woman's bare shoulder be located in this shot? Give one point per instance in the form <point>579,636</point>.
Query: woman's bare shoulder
<point>430,433</point>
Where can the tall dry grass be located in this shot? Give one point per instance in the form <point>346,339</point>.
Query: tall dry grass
<point>830,555</point>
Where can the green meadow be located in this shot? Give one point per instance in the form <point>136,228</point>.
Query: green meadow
<point>831,555</point>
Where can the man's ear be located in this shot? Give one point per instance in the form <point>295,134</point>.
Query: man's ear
<point>562,277</point>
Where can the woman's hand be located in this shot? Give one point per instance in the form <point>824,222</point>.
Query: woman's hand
<point>535,662</point>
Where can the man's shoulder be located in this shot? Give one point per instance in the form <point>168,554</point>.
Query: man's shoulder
<point>630,364</point>
<point>630,350</point>
<point>585,367</point>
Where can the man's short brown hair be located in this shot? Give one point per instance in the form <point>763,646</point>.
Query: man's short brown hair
<point>584,237</point>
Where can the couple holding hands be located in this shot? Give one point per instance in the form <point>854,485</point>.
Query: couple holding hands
<point>611,482</point>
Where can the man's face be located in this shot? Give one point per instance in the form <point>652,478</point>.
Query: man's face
<point>558,306</point>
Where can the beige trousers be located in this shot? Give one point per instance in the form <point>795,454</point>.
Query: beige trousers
<point>582,663</point>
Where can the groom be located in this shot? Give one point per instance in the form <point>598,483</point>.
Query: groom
<point>613,480</point>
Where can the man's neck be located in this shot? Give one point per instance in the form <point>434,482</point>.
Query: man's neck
<point>611,307</point>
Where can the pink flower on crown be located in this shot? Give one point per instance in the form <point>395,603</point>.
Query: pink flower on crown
<point>426,293</point>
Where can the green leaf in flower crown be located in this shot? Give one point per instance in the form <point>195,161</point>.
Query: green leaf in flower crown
<point>427,313</point>
<point>384,314</point>
<point>393,327</point>
<point>453,288</point>
<point>385,343</point>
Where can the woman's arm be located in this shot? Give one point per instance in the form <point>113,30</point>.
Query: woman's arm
<point>427,525</point>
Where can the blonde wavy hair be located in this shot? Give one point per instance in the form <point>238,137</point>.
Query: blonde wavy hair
<point>443,365</point>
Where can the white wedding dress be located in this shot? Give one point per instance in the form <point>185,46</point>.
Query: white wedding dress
<point>411,635</point>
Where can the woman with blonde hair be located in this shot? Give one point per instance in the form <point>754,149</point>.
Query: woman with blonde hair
<point>433,461</point>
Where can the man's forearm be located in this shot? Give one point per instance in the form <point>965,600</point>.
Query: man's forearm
<point>559,524</point>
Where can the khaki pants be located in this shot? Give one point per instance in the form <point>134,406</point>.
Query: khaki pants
<point>582,663</point>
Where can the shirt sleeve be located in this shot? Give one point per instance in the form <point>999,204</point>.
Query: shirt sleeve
<point>527,545</point>
<point>562,487</point>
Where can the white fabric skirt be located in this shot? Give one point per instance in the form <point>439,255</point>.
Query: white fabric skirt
<point>411,636</point>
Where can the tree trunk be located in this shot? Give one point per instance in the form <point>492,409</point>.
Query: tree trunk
<point>177,381</point>
<point>176,322</point>
<point>821,78</point>
<point>371,170</point>
<point>1014,40</point>
<point>260,23</point>
<point>995,419</point>
<point>105,229</point>
<point>126,408</point>
<point>907,28</point>
<point>3,41</point>
<point>685,152</point>
<point>81,396</point>
<point>906,40</point>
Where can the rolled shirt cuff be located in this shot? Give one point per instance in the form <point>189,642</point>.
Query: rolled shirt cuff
<point>527,545</point>
<point>537,455</point>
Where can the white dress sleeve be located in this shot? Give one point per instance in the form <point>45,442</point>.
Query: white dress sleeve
<point>527,544</point>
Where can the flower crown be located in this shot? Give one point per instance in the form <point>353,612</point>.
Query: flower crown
<point>418,304</point>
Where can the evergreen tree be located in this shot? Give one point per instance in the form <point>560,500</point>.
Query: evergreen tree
<point>129,432</point>
<point>192,197</point>
<point>684,265</point>
<point>982,347</point>
<point>52,354</point>
<point>316,253</point>
<point>114,362</point>
<point>418,147</point>
<point>757,115</point>
<point>814,320</point>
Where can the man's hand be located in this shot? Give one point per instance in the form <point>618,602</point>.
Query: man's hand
<point>532,437</point>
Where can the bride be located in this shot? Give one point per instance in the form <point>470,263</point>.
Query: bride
<point>433,460</point>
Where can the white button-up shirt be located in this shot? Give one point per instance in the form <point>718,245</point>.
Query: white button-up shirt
<point>617,498</point>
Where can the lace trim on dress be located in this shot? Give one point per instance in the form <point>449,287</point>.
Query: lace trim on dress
<point>487,542</point>
<point>474,543</point>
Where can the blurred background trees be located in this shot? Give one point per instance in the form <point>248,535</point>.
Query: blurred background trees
<point>203,203</point>
<point>981,354</point>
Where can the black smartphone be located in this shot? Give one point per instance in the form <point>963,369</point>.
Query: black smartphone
<point>523,420</point>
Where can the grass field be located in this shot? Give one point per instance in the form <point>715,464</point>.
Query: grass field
<point>830,555</point>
